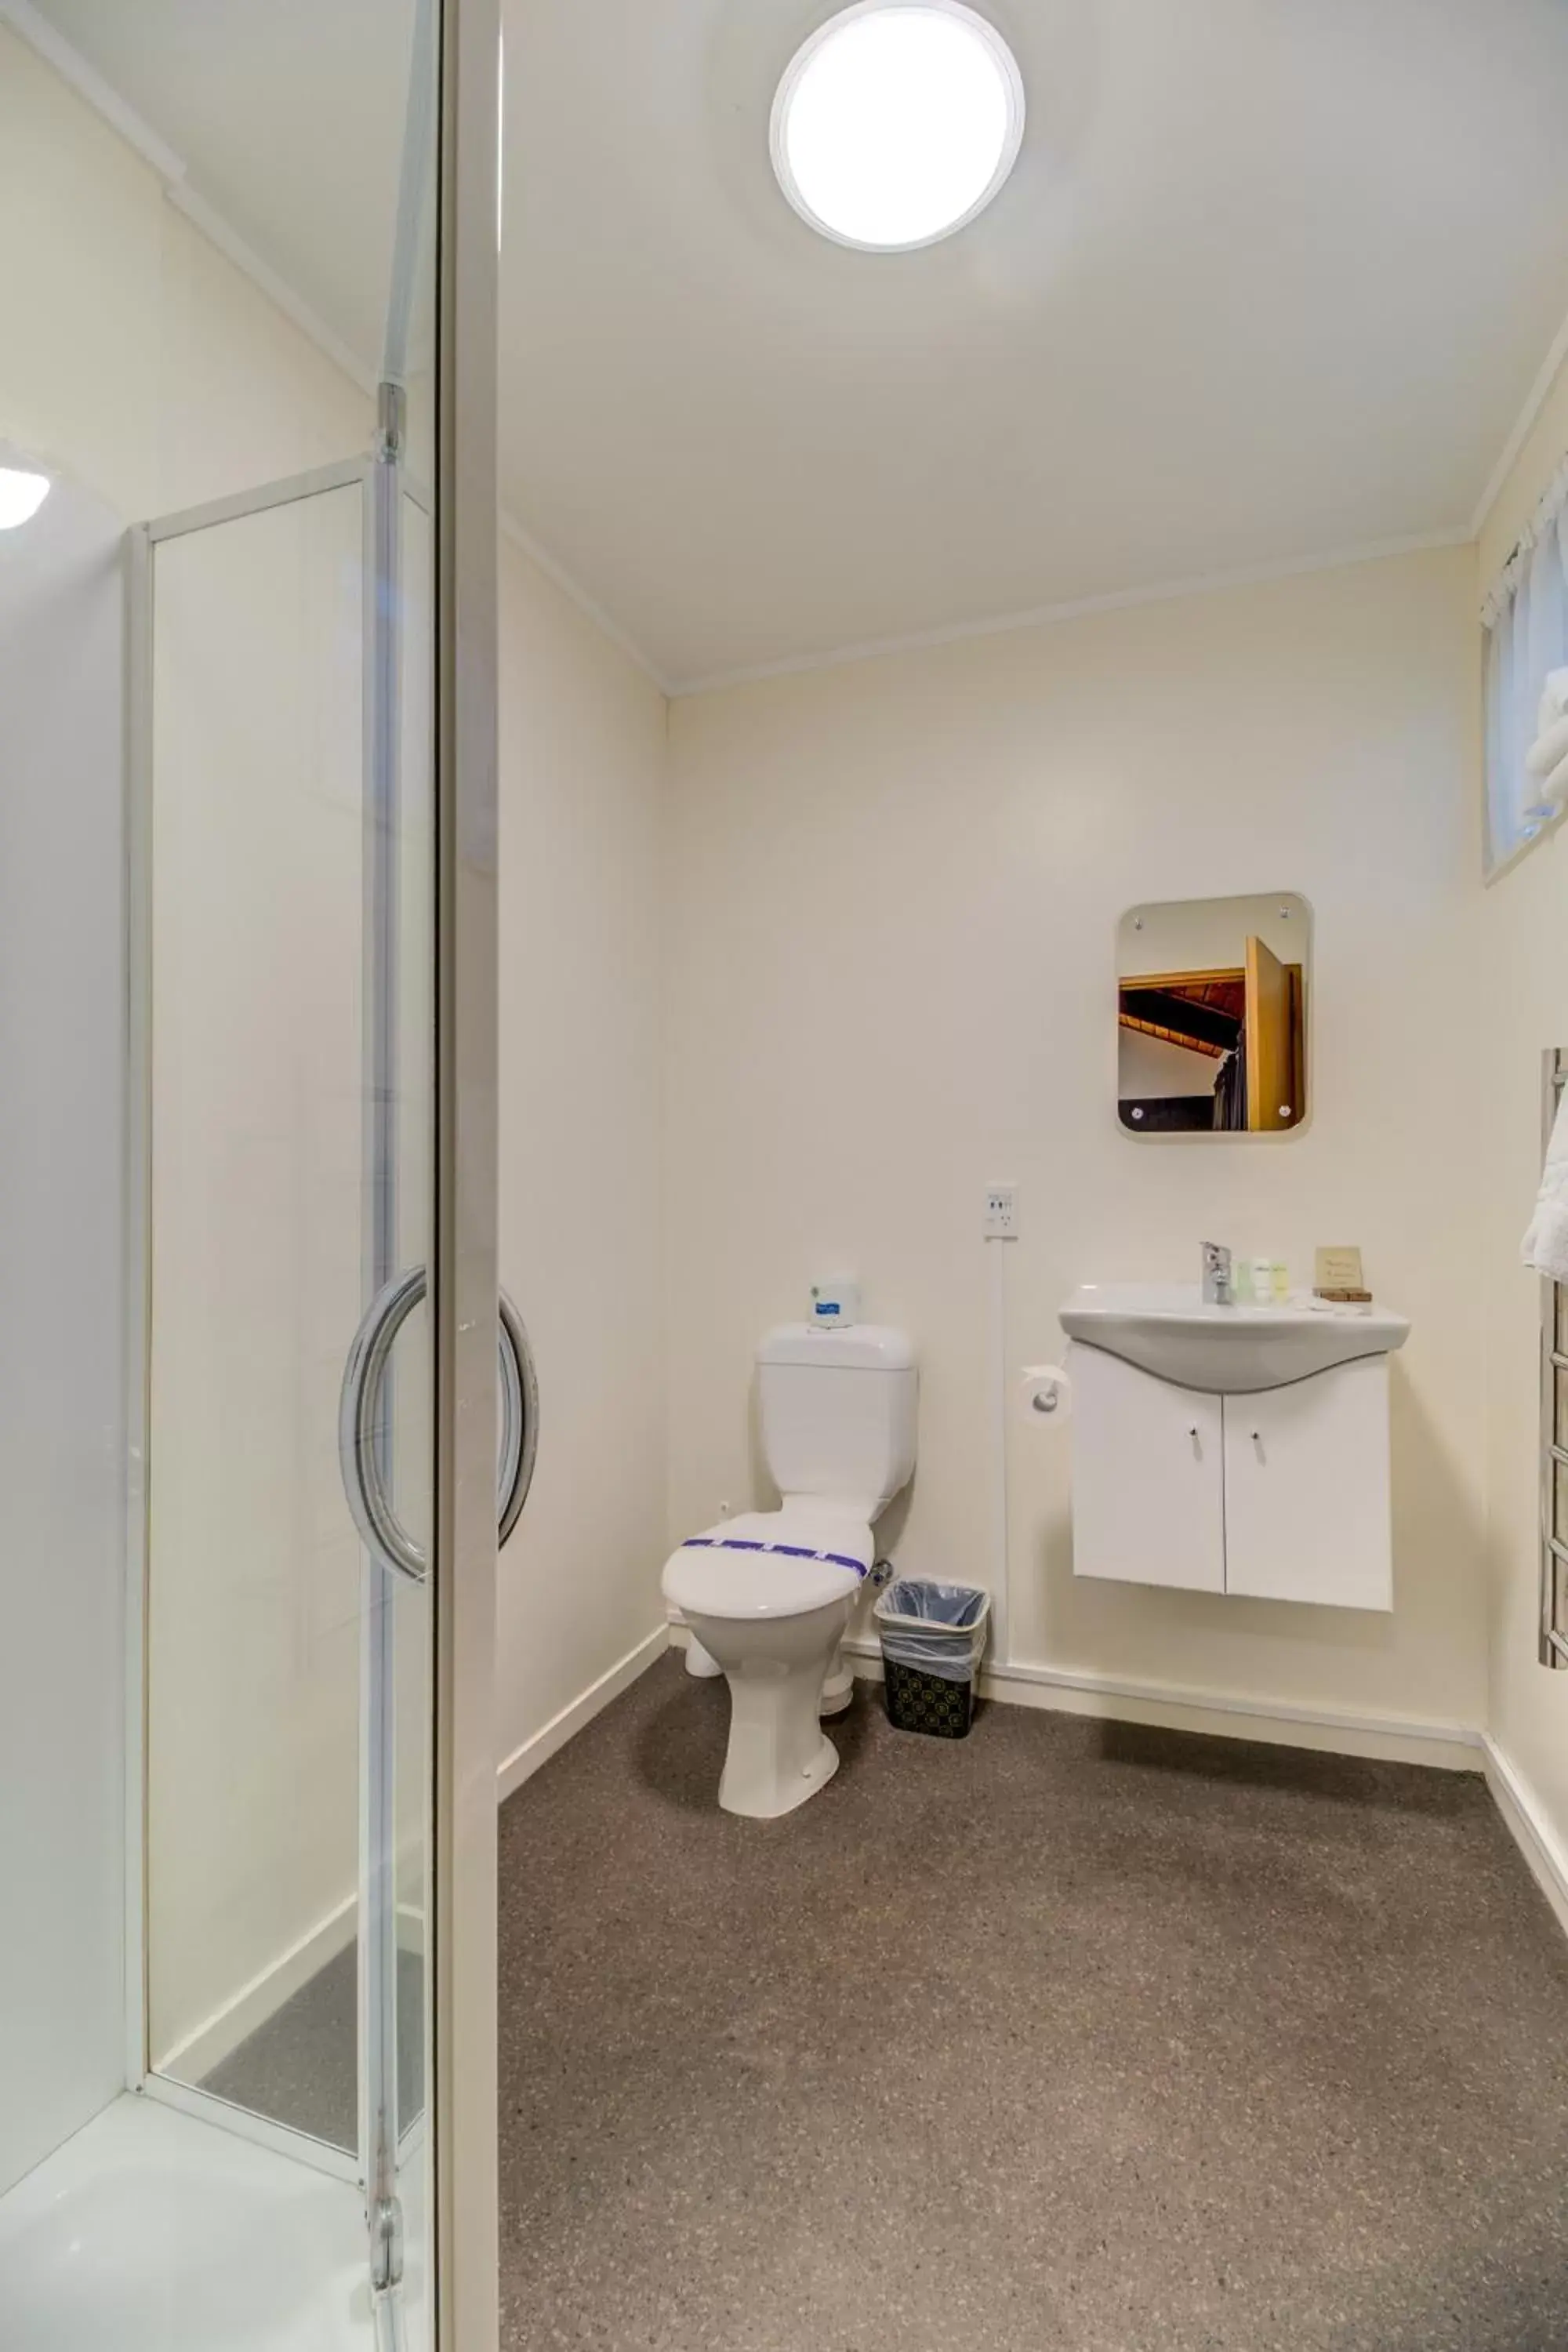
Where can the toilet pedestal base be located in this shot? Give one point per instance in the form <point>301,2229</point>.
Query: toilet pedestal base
<point>776,1668</point>
<point>839,1688</point>
<point>739,1793</point>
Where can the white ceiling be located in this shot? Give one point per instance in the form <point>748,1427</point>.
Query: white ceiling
<point>1271,282</point>
<point>1271,278</point>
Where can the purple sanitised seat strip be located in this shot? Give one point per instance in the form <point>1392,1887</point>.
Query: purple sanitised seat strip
<point>790,1552</point>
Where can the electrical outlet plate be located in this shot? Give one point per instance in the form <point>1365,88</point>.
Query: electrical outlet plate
<point>1001,1212</point>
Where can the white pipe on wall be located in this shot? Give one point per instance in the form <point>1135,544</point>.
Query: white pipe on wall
<point>996,1250</point>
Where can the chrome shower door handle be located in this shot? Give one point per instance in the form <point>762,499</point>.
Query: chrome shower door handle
<point>381,1531</point>
<point>359,1407</point>
<point>519,1421</point>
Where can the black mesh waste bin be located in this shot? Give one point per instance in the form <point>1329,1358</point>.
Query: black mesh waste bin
<point>932,1637</point>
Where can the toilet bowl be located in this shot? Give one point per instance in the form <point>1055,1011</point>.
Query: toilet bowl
<point>768,1596</point>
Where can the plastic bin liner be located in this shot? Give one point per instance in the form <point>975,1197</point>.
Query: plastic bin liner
<point>939,1629</point>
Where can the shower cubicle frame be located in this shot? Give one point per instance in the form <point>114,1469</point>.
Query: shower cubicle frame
<point>382,483</point>
<point>465,2236</point>
<point>460,2010</point>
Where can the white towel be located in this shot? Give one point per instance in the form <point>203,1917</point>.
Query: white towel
<point>1550,748</point>
<point>1547,757</point>
<point>1546,1246</point>
<point>1554,697</point>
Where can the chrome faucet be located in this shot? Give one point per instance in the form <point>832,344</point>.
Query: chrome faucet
<point>1218,1291</point>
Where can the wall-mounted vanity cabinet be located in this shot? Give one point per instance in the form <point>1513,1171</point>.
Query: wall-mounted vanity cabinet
<point>1274,1485</point>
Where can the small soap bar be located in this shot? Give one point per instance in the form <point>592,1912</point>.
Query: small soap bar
<point>1338,1269</point>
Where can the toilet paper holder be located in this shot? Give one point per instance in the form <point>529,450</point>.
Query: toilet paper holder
<point>1046,1388</point>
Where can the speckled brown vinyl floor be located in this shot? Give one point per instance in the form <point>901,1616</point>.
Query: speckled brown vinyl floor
<point>1068,2037</point>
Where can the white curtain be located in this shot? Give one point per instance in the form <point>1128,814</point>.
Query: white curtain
<point>1525,613</point>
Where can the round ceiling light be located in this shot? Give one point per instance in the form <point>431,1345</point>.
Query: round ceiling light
<point>897,122</point>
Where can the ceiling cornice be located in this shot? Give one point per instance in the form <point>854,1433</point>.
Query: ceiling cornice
<point>571,587</point>
<point>30,26</point>
<point>1202,583</point>
<point>1535,400</point>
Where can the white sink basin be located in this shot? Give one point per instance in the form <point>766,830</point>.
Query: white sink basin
<point>1165,1329</point>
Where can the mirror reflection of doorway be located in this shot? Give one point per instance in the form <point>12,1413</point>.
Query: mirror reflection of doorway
<point>1213,1046</point>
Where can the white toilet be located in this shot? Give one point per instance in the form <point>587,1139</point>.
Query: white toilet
<point>768,1595</point>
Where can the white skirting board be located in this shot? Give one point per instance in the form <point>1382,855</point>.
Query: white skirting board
<point>218,2036</point>
<point>1224,1714</point>
<point>1533,1831</point>
<point>524,1761</point>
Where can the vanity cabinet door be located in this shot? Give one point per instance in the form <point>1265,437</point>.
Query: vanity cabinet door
<point>1148,1486</point>
<point>1306,1490</point>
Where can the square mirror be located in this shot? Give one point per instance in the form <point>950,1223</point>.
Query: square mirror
<point>1212,1015</point>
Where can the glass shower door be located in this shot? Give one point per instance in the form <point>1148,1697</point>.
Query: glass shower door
<point>284,844</point>
<point>247,2053</point>
<point>286,833</point>
<point>287,846</point>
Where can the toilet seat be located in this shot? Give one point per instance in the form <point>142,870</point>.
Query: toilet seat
<point>765,1564</point>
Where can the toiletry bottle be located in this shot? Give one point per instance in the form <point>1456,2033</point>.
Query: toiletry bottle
<point>1262,1281</point>
<point>1242,1281</point>
<point>1280,1281</point>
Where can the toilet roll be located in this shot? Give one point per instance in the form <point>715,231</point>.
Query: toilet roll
<point>1044,1393</point>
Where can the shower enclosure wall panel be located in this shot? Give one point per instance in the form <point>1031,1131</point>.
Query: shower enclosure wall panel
<point>253,1585</point>
<point>62,1027</point>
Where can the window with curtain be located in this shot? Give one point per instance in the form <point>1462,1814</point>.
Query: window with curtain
<point>1525,614</point>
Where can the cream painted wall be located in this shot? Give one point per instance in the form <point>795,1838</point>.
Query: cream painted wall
<point>582,813</point>
<point>1524,935</point>
<point>1153,1066</point>
<point>893,907</point>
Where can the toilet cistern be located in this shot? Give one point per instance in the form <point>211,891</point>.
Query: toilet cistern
<point>1218,1287</point>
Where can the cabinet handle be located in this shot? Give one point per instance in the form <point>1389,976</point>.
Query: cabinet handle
<point>1197,1441</point>
<point>1258,1441</point>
